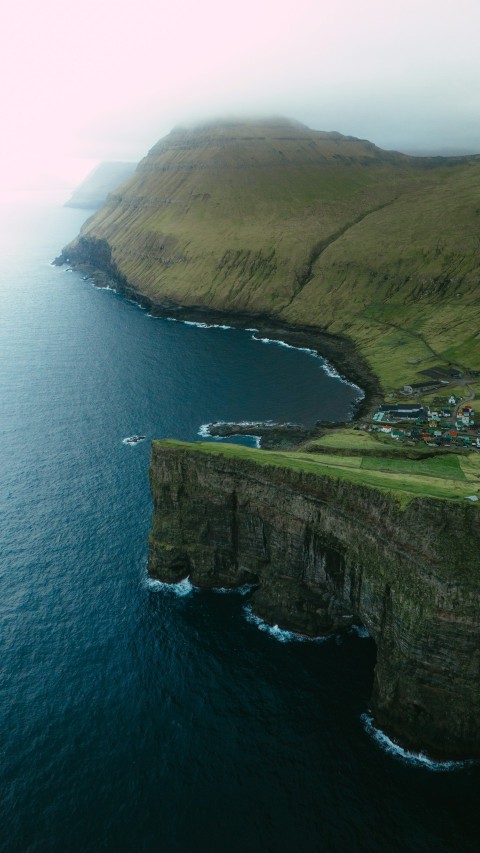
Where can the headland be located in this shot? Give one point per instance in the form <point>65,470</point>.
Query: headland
<point>370,258</point>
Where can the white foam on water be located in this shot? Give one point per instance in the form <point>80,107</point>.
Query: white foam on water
<point>179,590</point>
<point>331,371</point>
<point>235,590</point>
<point>206,427</point>
<point>284,344</point>
<point>204,430</point>
<point>280,634</point>
<point>200,325</point>
<point>130,441</point>
<point>328,368</point>
<point>196,323</point>
<point>132,301</point>
<point>417,759</point>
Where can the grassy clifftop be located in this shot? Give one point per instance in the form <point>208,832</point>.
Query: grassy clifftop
<point>312,228</point>
<point>445,477</point>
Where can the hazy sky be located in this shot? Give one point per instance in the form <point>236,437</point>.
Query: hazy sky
<point>105,79</point>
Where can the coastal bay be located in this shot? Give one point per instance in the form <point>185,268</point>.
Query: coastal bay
<point>170,255</point>
<point>127,704</point>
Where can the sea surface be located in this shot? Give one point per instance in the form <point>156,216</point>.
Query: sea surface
<point>140,717</point>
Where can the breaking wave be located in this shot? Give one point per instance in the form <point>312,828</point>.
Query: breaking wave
<point>327,367</point>
<point>197,323</point>
<point>204,431</point>
<point>284,344</point>
<point>413,758</point>
<point>179,589</point>
<point>280,634</point>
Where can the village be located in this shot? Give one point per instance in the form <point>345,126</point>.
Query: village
<point>447,423</point>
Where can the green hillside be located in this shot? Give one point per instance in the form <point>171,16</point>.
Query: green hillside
<point>312,228</point>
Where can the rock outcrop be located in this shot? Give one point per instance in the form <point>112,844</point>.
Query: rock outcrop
<point>326,554</point>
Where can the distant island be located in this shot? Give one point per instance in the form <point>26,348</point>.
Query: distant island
<point>372,258</point>
<point>93,191</point>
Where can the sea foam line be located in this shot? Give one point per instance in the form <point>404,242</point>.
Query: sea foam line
<point>327,367</point>
<point>88,279</point>
<point>235,590</point>
<point>204,431</point>
<point>204,325</point>
<point>280,634</point>
<point>417,759</point>
<point>180,589</point>
<point>196,323</point>
<point>331,371</point>
<point>280,343</point>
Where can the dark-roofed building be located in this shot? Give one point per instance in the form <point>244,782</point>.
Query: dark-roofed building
<point>402,411</point>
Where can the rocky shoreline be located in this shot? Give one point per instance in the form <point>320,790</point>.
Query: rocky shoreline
<point>325,554</point>
<point>93,258</point>
<point>281,436</point>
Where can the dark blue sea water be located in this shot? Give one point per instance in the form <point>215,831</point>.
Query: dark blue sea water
<point>136,717</point>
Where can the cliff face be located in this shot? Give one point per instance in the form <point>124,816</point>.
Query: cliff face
<point>93,191</point>
<point>326,554</point>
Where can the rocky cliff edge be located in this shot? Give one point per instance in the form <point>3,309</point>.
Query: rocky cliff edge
<point>326,554</point>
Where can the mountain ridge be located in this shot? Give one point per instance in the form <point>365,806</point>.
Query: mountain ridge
<point>309,227</point>
<point>94,189</point>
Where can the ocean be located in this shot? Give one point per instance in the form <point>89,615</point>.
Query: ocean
<point>137,716</point>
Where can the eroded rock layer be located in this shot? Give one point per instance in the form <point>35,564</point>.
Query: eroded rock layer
<point>327,554</point>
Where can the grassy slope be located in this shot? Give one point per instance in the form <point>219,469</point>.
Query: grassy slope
<point>447,477</point>
<point>416,272</point>
<point>317,229</point>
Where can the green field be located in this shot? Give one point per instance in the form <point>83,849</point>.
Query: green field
<point>347,439</point>
<point>445,467</point>
<point>447,477</point>
<point>355,441</point>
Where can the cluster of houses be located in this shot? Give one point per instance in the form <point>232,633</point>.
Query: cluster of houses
<point>446,425</point>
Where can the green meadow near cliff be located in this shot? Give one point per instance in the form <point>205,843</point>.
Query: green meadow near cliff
<point>309,228</point>
<point>373,257</point>
<point>329,543</point>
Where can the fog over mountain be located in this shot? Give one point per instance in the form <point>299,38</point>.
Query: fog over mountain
<point>106,82</point>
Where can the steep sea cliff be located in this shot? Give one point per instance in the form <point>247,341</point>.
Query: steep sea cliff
<point>316,237</point>
<point>326,554</point>
<point>133,716</point>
